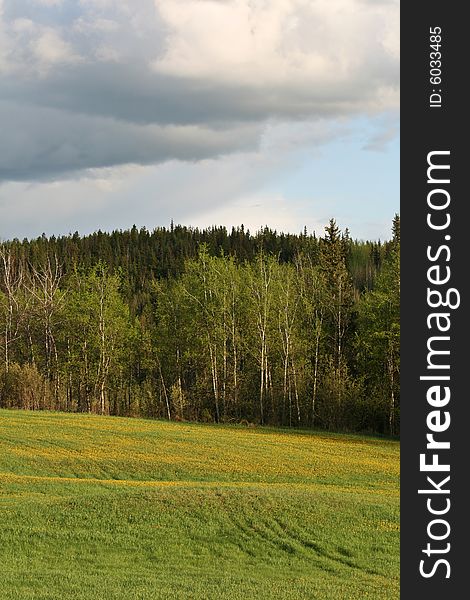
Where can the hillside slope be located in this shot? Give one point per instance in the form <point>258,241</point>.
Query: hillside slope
<point>112,508</point>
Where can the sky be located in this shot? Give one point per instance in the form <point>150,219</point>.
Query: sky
<point>206,112</point>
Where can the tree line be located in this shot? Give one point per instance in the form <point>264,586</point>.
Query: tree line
<point>187,324</point>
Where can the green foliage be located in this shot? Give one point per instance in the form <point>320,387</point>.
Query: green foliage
<point>272,328</point>
<point>378,339</point>
<point>96,337</point>
<point>24,386</point>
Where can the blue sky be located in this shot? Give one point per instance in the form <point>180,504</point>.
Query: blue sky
<point>350,181</point>
<point>205,112</point>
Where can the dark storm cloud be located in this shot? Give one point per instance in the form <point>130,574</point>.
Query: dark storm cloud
<point>40,143</point>
<point>81,87</point>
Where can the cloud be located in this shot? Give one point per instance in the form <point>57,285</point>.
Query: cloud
<point>39,143</point>
<point>48,2</point>
<point>382,138</point>
<point>213,189</point>
<point>379,133</point>
<point>4,46</point>
<point>290,43</point>
<point>97,83</point>
<point>182,191</point>
<point>258,187</point>
<point>50,48</point>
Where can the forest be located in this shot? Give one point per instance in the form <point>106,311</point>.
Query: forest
<point>205,325</point>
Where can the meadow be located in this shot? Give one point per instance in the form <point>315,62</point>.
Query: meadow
<point>108,508</point>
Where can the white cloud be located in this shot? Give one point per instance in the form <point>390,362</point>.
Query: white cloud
<point>50,48</point>
<point>231,189</point>
<point>239,187</point>
<point>256,211</point>
<point>205,101</point>
<point>4,46</point>
<point>21,26</point>
<point>285,42</point>
<point>216,66</point>
<point>49,2</point>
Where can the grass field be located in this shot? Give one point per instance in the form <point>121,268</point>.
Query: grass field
<point>110,508</point>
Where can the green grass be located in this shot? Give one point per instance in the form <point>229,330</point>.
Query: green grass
<point>110,508</point>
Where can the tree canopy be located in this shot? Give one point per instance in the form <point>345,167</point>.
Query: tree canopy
<point>211,325</point>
